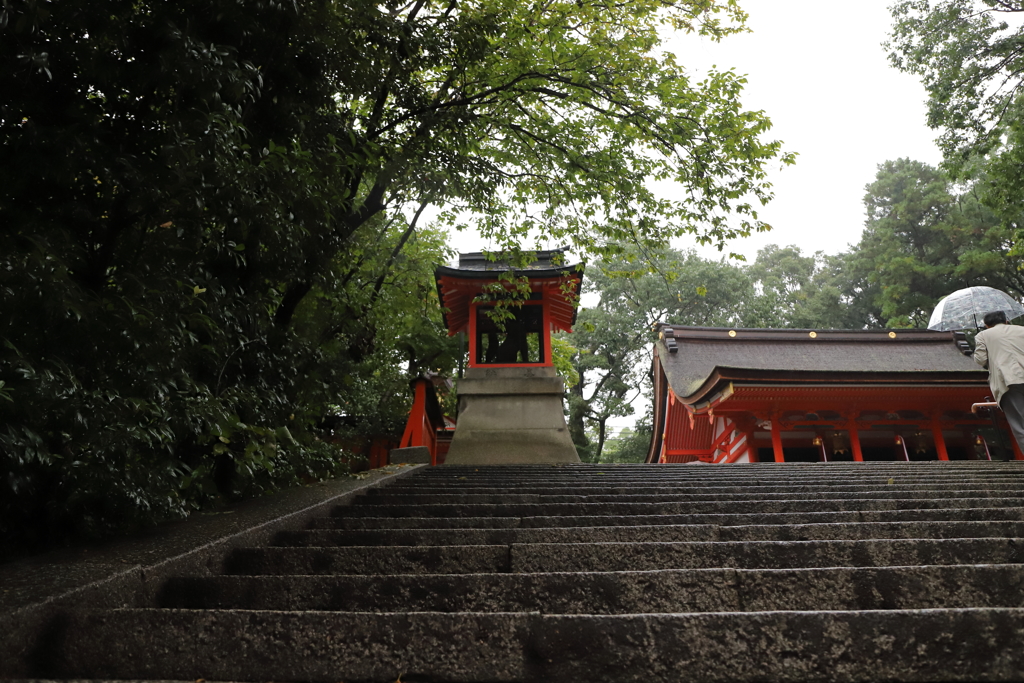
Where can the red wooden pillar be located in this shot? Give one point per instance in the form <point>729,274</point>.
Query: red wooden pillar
<point>413,435</point>
<point>547,326</point>
<point>777,440</point>
<point>940,441</point>
<point>418,430</point>
<point>851,428</point>
<point>751,451</point>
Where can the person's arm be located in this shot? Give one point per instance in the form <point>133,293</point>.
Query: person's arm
<point>980,352</point>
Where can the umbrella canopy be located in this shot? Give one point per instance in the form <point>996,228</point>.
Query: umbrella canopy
<point>964,309</point>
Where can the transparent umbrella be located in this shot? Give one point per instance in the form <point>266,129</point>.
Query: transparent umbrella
<point>965,309</point>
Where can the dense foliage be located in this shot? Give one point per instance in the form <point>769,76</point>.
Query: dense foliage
<point>970,57</point>
<point>210,217</point>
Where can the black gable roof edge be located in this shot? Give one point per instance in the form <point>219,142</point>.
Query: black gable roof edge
<point>684,333</point>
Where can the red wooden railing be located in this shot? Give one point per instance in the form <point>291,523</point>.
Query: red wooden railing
<point>425,420</point>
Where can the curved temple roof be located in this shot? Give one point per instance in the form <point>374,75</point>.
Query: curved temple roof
<point>696,360</point>
<point>458,287</point>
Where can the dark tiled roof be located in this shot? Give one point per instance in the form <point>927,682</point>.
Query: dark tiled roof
<point>476,266</point>
<point>458,287</point>
<point>704,356</point>
<point>546,260</point>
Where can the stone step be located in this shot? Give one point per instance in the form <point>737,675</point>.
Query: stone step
<point>587,557</point>
<point>879,493</point>
<point>615,487</point>
<point>662,591</point>
<point>590,534</point>
<point>232,645</point>
<point>539,490</point>
<point>830,473</point>
<point>786,471</point>
<point>865,475</point>
<point>675,532</point>
<point>875,478</point>
<point>747,519</point>
<point>660,469</point>
<point>382,561</point>
<point>598,573</point>
<point>669,508</point>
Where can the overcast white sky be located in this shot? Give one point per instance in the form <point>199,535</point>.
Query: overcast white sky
<point>819,71</point>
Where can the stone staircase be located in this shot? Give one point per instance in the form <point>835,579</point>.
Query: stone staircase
<point>858,571</point>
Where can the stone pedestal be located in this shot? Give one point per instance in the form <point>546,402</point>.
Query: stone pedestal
<point>511,416</point>
<point>418,455</point>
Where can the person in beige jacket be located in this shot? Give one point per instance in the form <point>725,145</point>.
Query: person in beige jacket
<point>1000,349</point>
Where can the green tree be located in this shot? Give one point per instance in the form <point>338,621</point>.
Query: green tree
<point>631,444</point>
<point>634,291</point>
<point>971,59</point>
<point>779,276</point>
<point>922,241</point>
<point>838,296</point>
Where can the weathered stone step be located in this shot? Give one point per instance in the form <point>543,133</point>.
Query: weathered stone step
<point>873,479</point>
<point>597,573</point>
<point>752,518</point>
<point>777,471</point>
<point>709,486</point>
<point>677,532</point>
<point>542,557</point>
<point>942,487</point>
<point>878,493</point>
<point>677,508</point>
<point>382,561</point>
<point>455,536</point>
<point>773,471</point>
<point>586,557</point>
<point>660,469</point>
<point>719,646</point>
<point>663,591</point>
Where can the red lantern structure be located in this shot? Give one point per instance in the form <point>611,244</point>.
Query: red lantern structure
<point>741,395</point>
<point>510,398</point>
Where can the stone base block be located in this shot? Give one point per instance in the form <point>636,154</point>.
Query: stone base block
<point>414,454</point>
<point>511,418</point>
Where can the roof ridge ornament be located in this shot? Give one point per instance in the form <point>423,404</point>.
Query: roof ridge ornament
<point>668,335</point>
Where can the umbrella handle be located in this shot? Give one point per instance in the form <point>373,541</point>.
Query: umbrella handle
<point>974,309</point>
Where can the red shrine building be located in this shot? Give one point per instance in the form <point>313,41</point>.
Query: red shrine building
<point>510,397</point>
<point>747,395</point>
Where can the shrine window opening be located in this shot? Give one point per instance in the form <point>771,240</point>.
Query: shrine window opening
<point>519,340</point>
